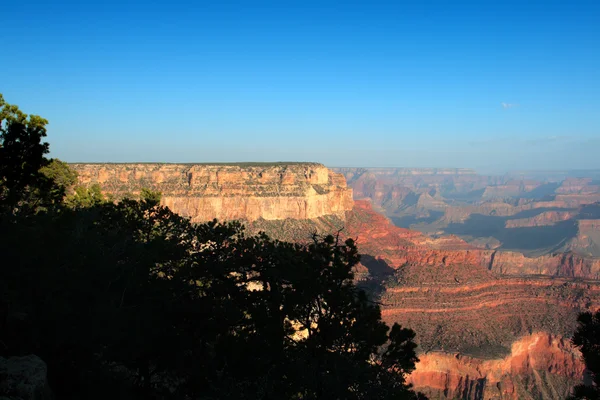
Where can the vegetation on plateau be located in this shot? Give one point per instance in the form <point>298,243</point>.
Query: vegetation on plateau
<point>129,300</point>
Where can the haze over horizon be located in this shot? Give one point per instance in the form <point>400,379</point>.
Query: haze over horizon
<point>486,85</point>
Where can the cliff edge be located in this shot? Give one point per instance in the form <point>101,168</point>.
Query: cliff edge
<point>248,191</point>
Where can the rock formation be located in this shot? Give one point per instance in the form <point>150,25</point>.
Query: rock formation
<point>227,192</point>
<point>538,366</point>
<point>577,186</point>
<point>546,218</point>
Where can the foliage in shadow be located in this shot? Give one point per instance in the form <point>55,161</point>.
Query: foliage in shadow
<point>128,300</point>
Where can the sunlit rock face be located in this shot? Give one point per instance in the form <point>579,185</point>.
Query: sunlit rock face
<point>227,192</point>
<point>539,366</point>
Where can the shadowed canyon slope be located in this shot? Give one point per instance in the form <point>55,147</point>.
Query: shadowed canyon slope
<point>490,322</point>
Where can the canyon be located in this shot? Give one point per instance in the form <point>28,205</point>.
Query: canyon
<point>530,213</point>
<point>492,321</point>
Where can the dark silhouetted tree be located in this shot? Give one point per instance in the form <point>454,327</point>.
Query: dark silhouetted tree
<point>587,338</point>
<point>130,300</point>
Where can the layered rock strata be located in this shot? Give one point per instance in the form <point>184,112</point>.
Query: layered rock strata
<point>227,192</point>
<point>473,322</point>
<point>546,218</point>
<point>378,237</point>
<point>538,366</point>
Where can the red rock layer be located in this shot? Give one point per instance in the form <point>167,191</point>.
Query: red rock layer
<point>538,366</point>
<point>559,264</point>
<point>398,246</point>
<point>458,308</point>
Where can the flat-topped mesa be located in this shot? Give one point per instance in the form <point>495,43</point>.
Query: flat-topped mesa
<point>245,191</point>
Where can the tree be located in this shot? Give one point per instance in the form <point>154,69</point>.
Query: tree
<point>83,196</point>
<point>303,330</point>
<point>150,195</point>
<point>61,174</point>
<point>587,338</point>
<point>23,187</point>
<point>130,300</point>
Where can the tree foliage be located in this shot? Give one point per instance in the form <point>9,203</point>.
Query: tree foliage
<point>587,338</point>
<point>23,187</point>
<point>84,196</point>
<point>129,300</point>
<point>150,195</point>
<point>62,176</point>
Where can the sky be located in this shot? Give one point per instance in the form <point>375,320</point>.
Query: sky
<point>487,84</point>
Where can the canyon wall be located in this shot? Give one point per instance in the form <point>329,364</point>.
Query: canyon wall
<point>230,191</point>
<point>539,366</point>
<point>546,218</point>
<point>566,264</point>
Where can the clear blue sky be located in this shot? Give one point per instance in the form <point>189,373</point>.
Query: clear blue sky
<point>356,83</point>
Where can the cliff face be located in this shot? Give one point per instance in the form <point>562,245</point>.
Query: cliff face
<point>577,185</point>
<point>546,218</point>
<point>228,192</point>
<point>510,189</point>
<point>538,366</point>
<point>560,264</point>
<point>587,239</point>
<point>378,237</point>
